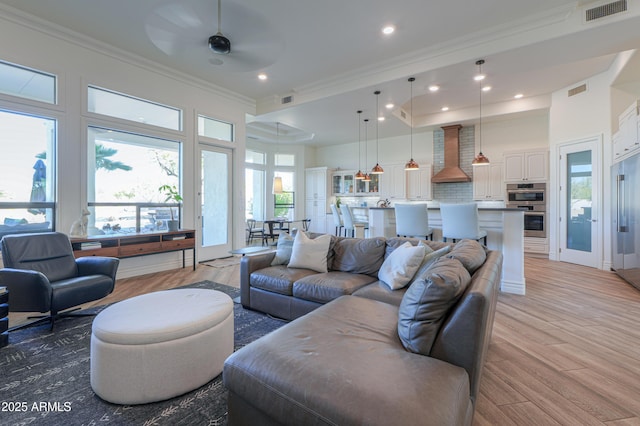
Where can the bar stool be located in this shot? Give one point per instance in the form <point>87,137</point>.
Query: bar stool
<point>337,220</point>
<point>349,222</point>
<point>412,220</point>
<point>460,221</point>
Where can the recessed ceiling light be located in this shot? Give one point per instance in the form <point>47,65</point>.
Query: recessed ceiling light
<point>518,96</point>
<point>434,88</point>
<point>389,106</point>
<point>479,77</point>
<point>486,88</point>
<point>262,76</point>
<point>389,29</point>
<point>381,118</point>
<point>444,108</point>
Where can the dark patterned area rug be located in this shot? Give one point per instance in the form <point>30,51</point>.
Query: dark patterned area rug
<point>44,377</point>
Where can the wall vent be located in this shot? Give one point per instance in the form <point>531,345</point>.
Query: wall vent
<point>606,10</point>
<point>576,90</point>
<point>287,99</point>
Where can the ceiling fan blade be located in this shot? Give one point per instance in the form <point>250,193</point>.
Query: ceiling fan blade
<point>179,31</point>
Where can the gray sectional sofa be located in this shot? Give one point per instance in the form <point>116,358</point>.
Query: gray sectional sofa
<point>359,353</point>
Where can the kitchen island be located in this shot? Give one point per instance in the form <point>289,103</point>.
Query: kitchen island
<point>505,232</point>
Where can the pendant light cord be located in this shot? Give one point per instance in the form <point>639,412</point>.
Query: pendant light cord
<point>411,80</point>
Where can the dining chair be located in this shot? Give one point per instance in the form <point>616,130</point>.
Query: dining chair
<point>412,220</point>
<point>254,231</point>
<point>460,221</point>
<point>337,221</point>
<point>349,222</point>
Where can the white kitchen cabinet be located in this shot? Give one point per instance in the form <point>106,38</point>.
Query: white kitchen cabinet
<point>316,210</point>
<point>393,182</point>
<point>526,166</point>
<point>343,183</point>
<point>626,141</point>
<point>315,204</point>
<point>488,182</point>
<point>419,183</point>
<point>316,183</point>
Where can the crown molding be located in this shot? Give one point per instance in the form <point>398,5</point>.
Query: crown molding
<point>50,29</point>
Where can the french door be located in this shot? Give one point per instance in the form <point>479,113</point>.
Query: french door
<point>580,206</point>
<point>215,202</point>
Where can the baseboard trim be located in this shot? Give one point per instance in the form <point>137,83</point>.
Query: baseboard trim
<point>513,287</point>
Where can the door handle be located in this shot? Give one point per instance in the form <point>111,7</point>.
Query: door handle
<point>592,220</point>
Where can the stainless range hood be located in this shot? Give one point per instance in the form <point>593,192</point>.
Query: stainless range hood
<point>451,171</point>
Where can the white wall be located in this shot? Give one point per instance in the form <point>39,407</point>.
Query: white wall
<point>78,61</point>
<point>575,118</point>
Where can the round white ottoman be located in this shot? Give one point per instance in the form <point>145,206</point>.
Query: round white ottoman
<point>160,345</point>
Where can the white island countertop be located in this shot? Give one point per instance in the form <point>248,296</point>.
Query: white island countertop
<point>505,232</point>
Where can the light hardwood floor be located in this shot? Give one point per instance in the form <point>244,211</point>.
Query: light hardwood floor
<point>567,353</point>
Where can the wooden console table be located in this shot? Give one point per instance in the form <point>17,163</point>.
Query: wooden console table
<point>139,244</point>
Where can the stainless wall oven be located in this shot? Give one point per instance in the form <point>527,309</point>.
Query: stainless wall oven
<point>532,198</point>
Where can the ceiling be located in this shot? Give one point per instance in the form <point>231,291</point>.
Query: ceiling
<point>330,56</point>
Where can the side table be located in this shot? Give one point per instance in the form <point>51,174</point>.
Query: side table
<point>4,318</point>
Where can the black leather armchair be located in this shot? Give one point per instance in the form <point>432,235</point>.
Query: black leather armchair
<point>42,274</point>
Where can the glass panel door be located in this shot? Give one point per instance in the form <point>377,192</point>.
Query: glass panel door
<point>579,229</point>
<point>579,201</point>
<point>215,202</point>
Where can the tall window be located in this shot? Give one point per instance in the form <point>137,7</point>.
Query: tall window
<point>126,172</point>
<point>26,83</point>
<point>118,105</point>
<point>215,129</point>
<point>27,173</point>
<point>284,203</point>
<point>255,185</point>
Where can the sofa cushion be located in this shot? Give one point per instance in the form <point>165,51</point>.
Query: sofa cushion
<point>427,302</point>
<point>343,364</point>
<point>358,255</point>
<point>283,250</point>
<point>470,253</point>
<point>323,288</point>
<point>278,279</point>
<point>381,292</point>
<point>401,265</point>
<point>310,253</point>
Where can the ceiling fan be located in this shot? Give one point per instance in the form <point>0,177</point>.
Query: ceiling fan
<point>217,42</point>
<point>180,31</point>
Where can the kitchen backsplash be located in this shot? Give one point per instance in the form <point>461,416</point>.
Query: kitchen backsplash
<point>459,191</point>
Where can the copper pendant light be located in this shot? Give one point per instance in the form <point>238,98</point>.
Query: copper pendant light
<point>377,169</point>
<point>359,175</point>
<point>411,164</point>
<point>480,159</point>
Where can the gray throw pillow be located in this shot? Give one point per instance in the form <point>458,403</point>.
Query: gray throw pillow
<point>429,259</point>
<point>283,250</point>
<point>427,301</point>
<point>470,253</point>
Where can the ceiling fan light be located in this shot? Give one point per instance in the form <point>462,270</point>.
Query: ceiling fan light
<point>219,44</point>
<point>411,165</point>
<point>377,170</point>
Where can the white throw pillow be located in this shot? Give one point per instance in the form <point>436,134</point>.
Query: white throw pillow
<point>310,253</point>
<point>401,265</point>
